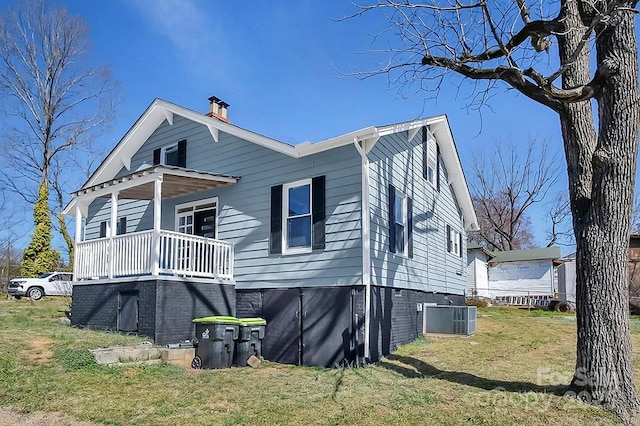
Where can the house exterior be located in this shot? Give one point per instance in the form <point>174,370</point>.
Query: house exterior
<point>524,276</point>
<point>478,271</point>
<point>333,243</point>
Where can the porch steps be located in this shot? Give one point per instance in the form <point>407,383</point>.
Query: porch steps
<point>144,353</point>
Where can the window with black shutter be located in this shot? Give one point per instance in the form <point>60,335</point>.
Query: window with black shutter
<point>400,223</point>
<point>171,155</point>
<point>298,216</point>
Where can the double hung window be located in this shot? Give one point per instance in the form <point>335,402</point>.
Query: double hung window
<point>298,216</point>
<point>454,241</point>
<point>400,223</point>
<point>297,233</point>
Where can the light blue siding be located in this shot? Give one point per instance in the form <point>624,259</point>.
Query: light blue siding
<point>244,208</point>
<point>399,162</point>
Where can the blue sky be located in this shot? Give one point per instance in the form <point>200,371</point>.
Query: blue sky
<point>279,65</point>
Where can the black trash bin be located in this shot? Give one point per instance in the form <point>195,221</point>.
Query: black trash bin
<point>216,341</point>
<point>249,342</point>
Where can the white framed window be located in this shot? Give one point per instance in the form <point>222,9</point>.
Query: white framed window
<point>400,223</point>
<point>198,218</point>
<point>455,241</point>
<point>430,151</point>
<point>169,155</point>
<point>296,218</point>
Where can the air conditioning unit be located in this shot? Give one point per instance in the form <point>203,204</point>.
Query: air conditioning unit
<point>449,319</point>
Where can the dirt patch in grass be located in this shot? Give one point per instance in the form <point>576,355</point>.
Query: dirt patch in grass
<point>39,352</point>
<point>38,418</point>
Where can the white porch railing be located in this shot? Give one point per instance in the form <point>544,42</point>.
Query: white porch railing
<point>133,255</point>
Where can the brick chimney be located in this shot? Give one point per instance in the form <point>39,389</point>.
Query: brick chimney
<point>218,109</point>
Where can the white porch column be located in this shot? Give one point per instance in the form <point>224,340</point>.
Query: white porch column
<point>112,232</point>
<point>77,238</point>
<point>157,215</point>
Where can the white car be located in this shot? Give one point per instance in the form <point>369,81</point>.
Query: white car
<point>49,284</point>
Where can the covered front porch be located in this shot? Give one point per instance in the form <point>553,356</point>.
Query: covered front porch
<point>154,252</point>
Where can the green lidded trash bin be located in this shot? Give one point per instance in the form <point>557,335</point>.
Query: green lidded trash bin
<point>216,341</point>
<point>249,342</point>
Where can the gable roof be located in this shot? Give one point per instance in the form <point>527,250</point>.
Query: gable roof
<point>161,110</point>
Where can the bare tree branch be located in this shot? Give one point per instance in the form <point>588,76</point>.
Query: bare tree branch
<point>505,188</point>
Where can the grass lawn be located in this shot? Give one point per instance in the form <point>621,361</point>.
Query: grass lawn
<point>506,374</point>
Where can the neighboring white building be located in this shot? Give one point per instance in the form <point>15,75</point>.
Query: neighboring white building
<point>512,274</point>
<point>567,279</point>
<point>524,273</point>
<point>477,271</point>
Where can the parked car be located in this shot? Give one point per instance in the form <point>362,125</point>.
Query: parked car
<point>49,284</point>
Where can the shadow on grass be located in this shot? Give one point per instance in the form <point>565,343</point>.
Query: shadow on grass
<point>415,368</point>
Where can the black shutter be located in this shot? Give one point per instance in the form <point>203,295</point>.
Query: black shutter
<point>156,156</point>
<point>122,226</point>
<point>275,236</point>
<point>392,220</point>
<point>448,238</point>
<point>182,153</point>
<point>460,243</point>
<point>437,167</point>
<point>103,229</point>
<point>425,152</point>
<point>318,213</point>
<point>410,227</point>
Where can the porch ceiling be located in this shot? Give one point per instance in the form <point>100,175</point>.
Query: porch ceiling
<point>176,181</point>
<point>172,186</point>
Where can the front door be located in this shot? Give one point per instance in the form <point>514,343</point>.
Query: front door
<point>195,218</point>
<point>204,222</point>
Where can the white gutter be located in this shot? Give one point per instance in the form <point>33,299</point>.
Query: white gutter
<point>366,245</point>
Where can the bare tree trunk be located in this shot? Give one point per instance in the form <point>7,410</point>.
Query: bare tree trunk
<point>601,181</point>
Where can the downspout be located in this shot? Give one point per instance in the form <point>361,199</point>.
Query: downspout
<point>366,246</point>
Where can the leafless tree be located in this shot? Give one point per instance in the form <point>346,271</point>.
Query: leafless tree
<point>570,56</point>
<point>503,190</point>
<point>54,102</point>
<point>558,216</point>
